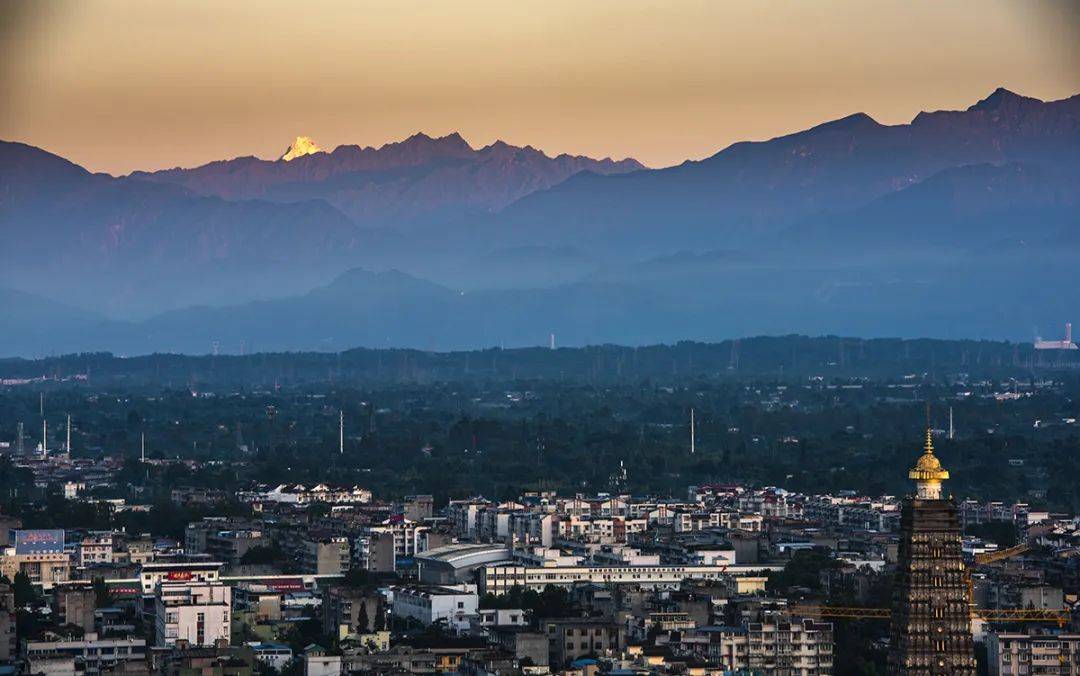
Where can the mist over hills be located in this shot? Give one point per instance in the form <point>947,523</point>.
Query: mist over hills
<point>960,224</point>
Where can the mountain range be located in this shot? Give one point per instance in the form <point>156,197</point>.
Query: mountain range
<point>958,224</point>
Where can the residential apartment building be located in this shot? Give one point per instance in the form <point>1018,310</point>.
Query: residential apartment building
<point>322,555</point>
<point>90,655</point>
<point>1016,654</point>
<point>229,546</point>
<point>348,611</point>
<point>94,549</point>
<point>75,605</point>
<point>777,645</point>
<point>197,613</point>
<point>430,604</point>
<point>405,539</point>
<point>570,639</point>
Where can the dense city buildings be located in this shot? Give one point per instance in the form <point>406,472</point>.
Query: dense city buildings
<point>658,565</point>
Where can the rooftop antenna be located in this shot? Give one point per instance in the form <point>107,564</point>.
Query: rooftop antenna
<point>44,438</point>
<point>693,434</point>
<point>68,446</point>
<point>142,447</point>
<point>341,432</point>
<point>951,428</point>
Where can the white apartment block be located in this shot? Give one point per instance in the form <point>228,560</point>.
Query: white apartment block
<point>408,539</point>
<point>300,494</point>
<point>1024,654</point>
<point>93,654</point>
<point>197,613</point>
<point>685,522</point>
<point>778,645</point>
<point>95,548</point>
<point>428,604</point>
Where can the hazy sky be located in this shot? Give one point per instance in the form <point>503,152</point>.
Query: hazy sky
<point>119,85</point>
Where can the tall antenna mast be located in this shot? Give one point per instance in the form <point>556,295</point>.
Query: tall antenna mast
<point>44,438</point>
<point>693,433</point>
<point>341,432</point>
<point>951,429</point>
<point>142,447</point>
<point>68,447</point>
<point>19,440</point>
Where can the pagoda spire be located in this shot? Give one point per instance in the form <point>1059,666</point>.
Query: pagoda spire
<point>928,472</point>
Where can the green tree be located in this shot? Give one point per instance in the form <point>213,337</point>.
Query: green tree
<point>25,593</point>
<point>362,617</point>
<point>380,616</point>
<point>102,597</point>
<point>259,555</point>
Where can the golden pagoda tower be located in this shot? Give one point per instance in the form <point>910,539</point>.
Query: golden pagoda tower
<point>928,472</point>
<point>930,633</point>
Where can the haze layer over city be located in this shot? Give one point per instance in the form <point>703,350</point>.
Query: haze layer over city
<point>539,339</point>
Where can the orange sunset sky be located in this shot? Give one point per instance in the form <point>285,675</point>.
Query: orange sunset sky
<point>120,85</point>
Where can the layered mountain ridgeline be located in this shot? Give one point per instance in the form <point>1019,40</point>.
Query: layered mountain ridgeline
<point>246,228</point>
<point>420,177</point>
<point>663,301</point>
<point>749,192</point>
<point>959,224</point>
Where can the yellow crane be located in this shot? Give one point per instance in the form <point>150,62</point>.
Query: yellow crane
<point>1061,617</point>
<point>991,557</point>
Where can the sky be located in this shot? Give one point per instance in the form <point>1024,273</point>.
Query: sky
<point>118,85</point>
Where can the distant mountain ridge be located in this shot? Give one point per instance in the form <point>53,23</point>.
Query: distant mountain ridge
<point>396,182</point>
<point>754,190</point>
<point>966,216</point>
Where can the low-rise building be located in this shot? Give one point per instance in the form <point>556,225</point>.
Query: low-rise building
<point>500,578</point>
<point>326,555</point>
<point>430,604</point>
<point>1010,654</point>
<point>199,614</point>
<point>94,549</point>
<point>347,611</point>
<point>571,639</point>
<point>75,605</point>
<point>89,655</point>
<point>274,655</point>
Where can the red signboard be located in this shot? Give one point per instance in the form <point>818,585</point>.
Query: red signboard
<point>289,585</point>
<point>178,575</point>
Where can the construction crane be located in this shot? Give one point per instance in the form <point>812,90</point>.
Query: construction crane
<point>991,557</point>
<point>1061,617</point>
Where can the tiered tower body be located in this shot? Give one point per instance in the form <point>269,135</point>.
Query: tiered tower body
<point>931,615</point>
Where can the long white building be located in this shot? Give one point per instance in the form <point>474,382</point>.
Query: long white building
<point>499,578</point>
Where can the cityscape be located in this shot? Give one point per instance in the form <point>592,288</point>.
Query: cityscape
<point>602,338</point>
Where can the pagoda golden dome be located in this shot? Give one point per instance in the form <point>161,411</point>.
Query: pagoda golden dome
<point>928,468</point>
